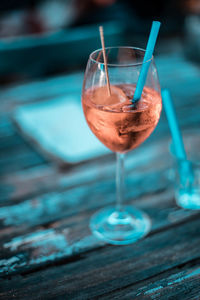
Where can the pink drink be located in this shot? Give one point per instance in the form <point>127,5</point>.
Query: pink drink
<point>117,123</point>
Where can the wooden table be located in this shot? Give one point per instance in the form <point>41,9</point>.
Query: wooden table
<point>47,250</point>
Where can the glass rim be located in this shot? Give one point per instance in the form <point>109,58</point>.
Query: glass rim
<point>120,65</point>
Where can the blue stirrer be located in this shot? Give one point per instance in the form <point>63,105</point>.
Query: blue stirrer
<point>146,61</point>
<point>185,167</point>
<point>173,125</point>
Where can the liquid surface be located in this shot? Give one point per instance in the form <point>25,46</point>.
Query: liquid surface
<point>116,122</point>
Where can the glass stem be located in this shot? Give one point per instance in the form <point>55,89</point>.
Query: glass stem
<point>120,181</point>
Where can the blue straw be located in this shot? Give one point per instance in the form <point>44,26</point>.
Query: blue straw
<point>185,167</point>
<point>146,61</point>
<point>173,125</point>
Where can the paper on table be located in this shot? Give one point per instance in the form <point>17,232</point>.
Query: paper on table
<point>59,127</point>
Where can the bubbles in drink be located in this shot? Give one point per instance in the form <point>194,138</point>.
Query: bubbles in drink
<point>116,122</point>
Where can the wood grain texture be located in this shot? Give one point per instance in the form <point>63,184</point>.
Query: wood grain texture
<point>108,268</point>
<point>36,180</point>
<point>171,284</point>
<point>46,248</point>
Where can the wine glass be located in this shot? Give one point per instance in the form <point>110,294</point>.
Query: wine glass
<point>120,125</point>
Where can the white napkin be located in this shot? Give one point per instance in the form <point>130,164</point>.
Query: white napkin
<point>59,127</point>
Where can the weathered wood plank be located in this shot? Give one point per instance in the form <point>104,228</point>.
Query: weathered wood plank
<point>109,268</point>
<point>53,206</point>
<point>183,285</point>
<point>178,283</point>
<point>80,184</point>
<point>18,159</point>
<point>52,228</point>
<point>10,142</point>
<point>9,137</point>
<point>15,153</point>
<point>33,181</point>
<point>97,182</point>
<point>25,183</point>
<point>6,127</point>
<point>70,236</point>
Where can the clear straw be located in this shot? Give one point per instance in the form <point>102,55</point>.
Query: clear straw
<point>147,60</point>
<point>173,125</point>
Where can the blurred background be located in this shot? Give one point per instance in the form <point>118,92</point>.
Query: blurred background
<point>44,48</point>
<point>41,38</point>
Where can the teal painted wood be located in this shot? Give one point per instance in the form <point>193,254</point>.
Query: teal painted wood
<point>46,248</point>
<point>106,269</point>
<point>172,284</point>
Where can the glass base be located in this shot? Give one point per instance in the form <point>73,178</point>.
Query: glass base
<point>188,199</point>
<point>120,228</point>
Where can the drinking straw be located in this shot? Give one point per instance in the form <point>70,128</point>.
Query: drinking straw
<point>104,57</point>
<point>147,60</point>
<point>173,125</point>
<point>185,167</point>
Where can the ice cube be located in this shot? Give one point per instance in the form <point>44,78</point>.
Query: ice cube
<point>100,96</point>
